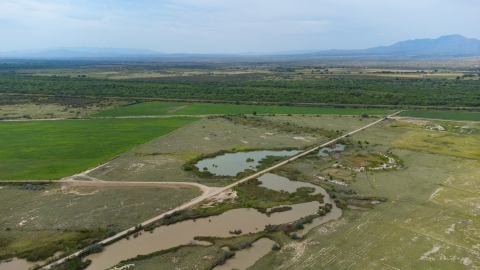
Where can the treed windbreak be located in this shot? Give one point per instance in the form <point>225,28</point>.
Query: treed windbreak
<point>364,91</point>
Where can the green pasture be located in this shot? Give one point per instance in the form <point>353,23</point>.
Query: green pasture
<point>55,149</point>
<point>174,108</point>
<point>448,115</point>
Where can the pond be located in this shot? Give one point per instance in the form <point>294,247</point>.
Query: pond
<point>278,183</point>
<point>245,219</point>
<point>232,163</point>
<point>164,237</point>
<point>16,264</point>
<point>245,258</point>
<point>323,152</point>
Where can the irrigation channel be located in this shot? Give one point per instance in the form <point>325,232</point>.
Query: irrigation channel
<point>257,221</point>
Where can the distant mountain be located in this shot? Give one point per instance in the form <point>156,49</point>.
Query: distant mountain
<point>445,46</point>
<point>451,45</point>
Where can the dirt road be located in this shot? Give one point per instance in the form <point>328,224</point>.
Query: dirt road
<point>208,192</point>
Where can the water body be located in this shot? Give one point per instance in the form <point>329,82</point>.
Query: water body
<point>245,258</point>
<point>323,152</point>
<point>164,237</point>
<point>17,264</point>
<point>232,163</point>
<point>278,183</point>
<point>245,219</point>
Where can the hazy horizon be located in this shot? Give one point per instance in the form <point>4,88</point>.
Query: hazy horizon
<point>220,27</point>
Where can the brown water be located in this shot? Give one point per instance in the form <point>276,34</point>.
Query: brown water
<point>164,237</point>
<point>247,257</point>
<point>16,264</point>
<point>275,182</point>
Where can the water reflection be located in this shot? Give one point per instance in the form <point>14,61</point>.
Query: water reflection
<point>232,163</point>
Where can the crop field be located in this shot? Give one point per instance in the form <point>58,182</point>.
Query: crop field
<point>173,108</point>
<point>163,158</point>
<point>35,227</point>
<point>447,115</point>
<point>55,149</point>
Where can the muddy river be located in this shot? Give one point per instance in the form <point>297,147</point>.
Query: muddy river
<point>247,220</point>
<point>232,163</point>
<point>16,264</point>
<point>247,257</point>
<point>275,182</point>
<point>164,237</point>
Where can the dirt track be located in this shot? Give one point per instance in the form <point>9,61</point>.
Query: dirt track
<point>208,192</point>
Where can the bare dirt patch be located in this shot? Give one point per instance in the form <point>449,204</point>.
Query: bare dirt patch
<point>172,110</point>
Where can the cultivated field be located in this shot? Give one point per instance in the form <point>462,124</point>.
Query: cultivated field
<point>55,149</point>
<point>448,115</point>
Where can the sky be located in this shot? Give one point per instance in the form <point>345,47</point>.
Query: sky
<point>231,26</point>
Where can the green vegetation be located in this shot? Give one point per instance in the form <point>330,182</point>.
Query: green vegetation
<point>171,152</point>
<point>195,257</point>
<point>362,90</point>
<point>175,108</point>
<point>54,149</point>
<point>447,115</point>
<point>39,222</point>
<point>250,195</point>
<point>431,219</point>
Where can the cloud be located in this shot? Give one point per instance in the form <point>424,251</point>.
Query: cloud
<point>219,26</point>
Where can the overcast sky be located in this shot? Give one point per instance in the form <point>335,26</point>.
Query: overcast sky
<point>231,26</point>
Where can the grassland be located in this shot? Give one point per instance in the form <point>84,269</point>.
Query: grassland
<point>36,224</point>
<point>174,108</point>
<point>447,115</point>
<point>54,149</point>
<point>163,158</point>
<point>430,222</point>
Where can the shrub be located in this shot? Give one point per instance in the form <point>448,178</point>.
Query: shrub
<point>275,247</point>
<point>299,226</point>
<point>294,236</point>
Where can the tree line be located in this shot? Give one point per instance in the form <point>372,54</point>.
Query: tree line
<point>341,90</point>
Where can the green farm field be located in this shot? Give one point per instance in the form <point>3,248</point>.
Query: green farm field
<point>173,108</point>
<point>447,115</point>
<point>55,149</point>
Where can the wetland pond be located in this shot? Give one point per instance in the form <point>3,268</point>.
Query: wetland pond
<point>245,219</point>
<point>323,152</point>
<point>248,220</point>
<point>232,163</point>
<point>16,264</point>
<point>247,257</point>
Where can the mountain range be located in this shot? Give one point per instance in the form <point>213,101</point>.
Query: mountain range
<point>445,46</point>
